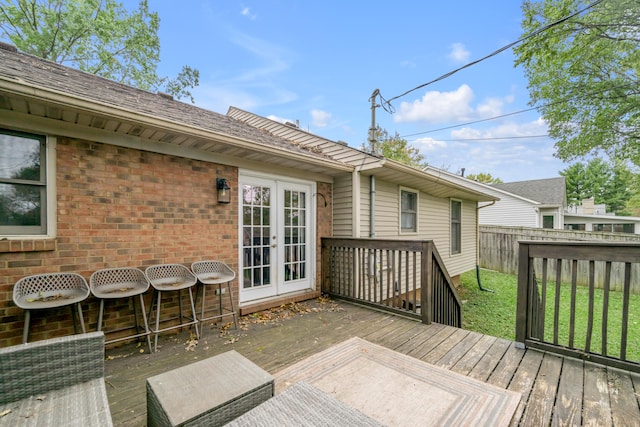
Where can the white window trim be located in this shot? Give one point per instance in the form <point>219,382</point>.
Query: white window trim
<point>417,193</point>
<point>451,252</point>
<point>51,192</point>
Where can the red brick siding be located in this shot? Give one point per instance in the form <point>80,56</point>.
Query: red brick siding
<point>121,207</point>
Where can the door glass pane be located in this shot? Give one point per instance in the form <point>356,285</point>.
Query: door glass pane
<point>256,202</point>
<point>295,213</point>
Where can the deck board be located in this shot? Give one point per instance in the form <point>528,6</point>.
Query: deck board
<point>569,407</point>
<point>606,397</point>
<point>539,408</point>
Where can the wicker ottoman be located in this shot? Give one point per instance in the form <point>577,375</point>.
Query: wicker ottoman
<point>211,392</point>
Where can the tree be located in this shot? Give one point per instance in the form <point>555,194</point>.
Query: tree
<point>395,148</point>
<point>484,178</point>
<point>96,36</point>
<point>608,183</point>
<point>583,75</point>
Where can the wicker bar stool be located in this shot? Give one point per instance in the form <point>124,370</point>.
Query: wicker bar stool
<point>215,273</point>
<point>50,290</point>
<point>115,283</point>
<point>166,278</point>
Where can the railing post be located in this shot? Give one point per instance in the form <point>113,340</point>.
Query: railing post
<point>426,278</point>
<point>523,293</point>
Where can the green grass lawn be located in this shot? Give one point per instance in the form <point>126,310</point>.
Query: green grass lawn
<point>494,313</point>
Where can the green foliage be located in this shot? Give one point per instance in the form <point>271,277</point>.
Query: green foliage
<point>395,148</point>
<point>484,178</point>
<point>633,204</point>
<point>583,75</point>
<point>96,36</point>
<point>606,182</point>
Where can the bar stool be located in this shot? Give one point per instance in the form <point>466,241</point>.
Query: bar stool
<point>114,283</point>
<point>215,273</point>
<point>166,278</point>
<point>50,290</point>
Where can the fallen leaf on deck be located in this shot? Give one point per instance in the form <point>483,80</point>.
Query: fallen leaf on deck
<point>5,412</point>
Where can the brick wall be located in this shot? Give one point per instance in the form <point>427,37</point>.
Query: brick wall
<point>324,224</point>
<point>120,207</point>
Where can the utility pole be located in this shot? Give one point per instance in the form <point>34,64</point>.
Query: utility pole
<point>372,129</point>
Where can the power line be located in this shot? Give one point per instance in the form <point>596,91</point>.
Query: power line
<point>560,101</point>
<point>494,138</point>
<point>386,104</point>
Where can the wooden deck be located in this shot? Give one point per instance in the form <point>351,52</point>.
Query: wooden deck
<point>555,390</point>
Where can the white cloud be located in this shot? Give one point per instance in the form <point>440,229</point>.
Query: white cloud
<point>320,118</point>
<point>447,107</point>
<point>247,12</point>
<point>459,53</point>
<point>430,144</point>
<point>435,107</point>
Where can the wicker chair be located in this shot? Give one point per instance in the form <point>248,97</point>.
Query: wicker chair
<point>47,291</point>
<point>215,273</point>
<point>115,283</point>
<point>54,382</point>
<point>166,278</point>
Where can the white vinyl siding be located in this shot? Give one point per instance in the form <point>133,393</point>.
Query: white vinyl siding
<point>433,223</point>
<point>510,211</point>
<point>342,207</point>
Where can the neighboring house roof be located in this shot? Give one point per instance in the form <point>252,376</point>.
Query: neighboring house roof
<point>431,180</point>
<point>36,87</point>
<point>549,192</point>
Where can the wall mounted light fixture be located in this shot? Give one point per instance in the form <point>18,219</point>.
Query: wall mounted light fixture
<point>224,191</point>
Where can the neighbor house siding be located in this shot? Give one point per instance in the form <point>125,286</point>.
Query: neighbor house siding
<point>510,211</point>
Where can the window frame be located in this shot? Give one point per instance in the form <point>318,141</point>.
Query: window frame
<point>415,213</point>
<point>553,221</point>
<point>455,224</point>
<point>47,227</point>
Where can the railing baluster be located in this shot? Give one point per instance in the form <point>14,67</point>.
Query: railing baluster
<point>605,306</point>
<point>543,308</point>
<point>592,276</point>
<point>625,310</point>
<point>556,309</point>
<point>572,310</point>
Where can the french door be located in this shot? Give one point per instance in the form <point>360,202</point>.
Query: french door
<point>276,240</point>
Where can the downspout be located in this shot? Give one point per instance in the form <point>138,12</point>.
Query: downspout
<point>372,206</point>
<point>478,245</point>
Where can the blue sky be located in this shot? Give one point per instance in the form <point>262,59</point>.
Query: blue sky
<point>318,62</point>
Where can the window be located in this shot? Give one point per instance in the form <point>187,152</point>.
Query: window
<point>23,184</point>
<point>547,221</point>
<point>408,211</point>
<point>456,226</point>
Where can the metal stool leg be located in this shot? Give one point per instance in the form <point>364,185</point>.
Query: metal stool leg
<point>100,314</point>
<point>158,302</point>
<point>84,330</point>
<point>27,321</point>
<point>233,307</point>
<point>193,313</point>
<point>146,324</point>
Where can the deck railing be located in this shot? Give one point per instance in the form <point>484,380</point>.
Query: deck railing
<point>395,275</point>
<point>598,322</point>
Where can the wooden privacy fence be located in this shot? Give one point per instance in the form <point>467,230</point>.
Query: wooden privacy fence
<point>602,325</point>
<point>499,252</point>
<point>406,277</point>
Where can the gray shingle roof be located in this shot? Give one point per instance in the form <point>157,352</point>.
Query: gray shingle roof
<point>21,67</point>
<point>550,191</point>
